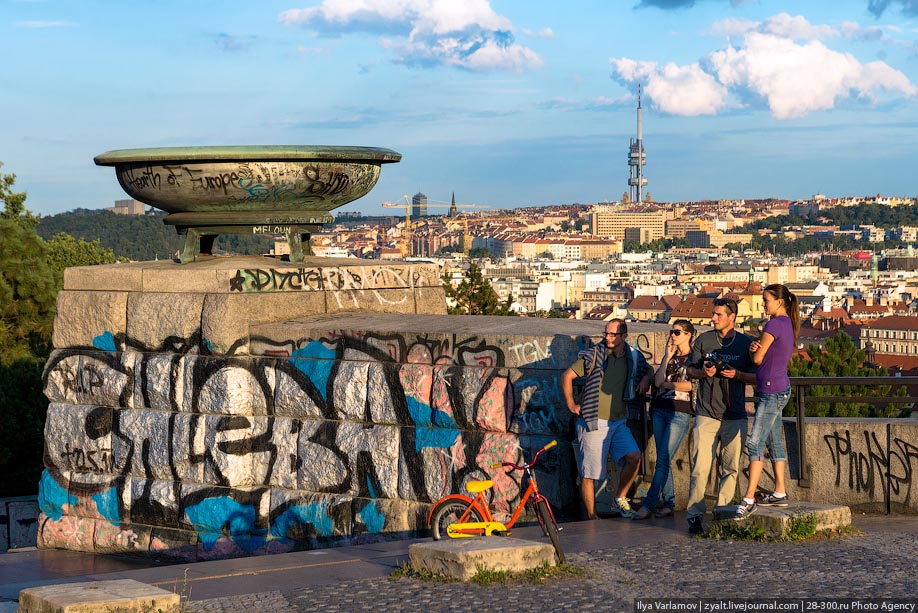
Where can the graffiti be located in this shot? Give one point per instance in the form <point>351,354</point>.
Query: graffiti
<point>874,469</point>
<point>75,458</point>
<point>530,351</point>
<point>334,183</point>
<point>318,439</point>
<point>642,344</point>
<point>275,280</point>
<point>147,179</point>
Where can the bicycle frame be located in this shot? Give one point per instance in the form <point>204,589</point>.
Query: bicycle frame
<point>463,528</point>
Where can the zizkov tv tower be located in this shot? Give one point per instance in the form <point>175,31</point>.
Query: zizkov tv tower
<point>636,159</point>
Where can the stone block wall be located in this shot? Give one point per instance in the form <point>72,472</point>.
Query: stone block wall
<point>236,406</point>
<point>254,409</point>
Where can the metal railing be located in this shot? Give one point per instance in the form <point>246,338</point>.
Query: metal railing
<point>800,398</point>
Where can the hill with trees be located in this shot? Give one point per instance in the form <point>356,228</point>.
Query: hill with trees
<point>140,237</point>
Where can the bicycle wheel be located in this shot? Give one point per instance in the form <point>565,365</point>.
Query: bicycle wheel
<point>550,528</point>
<point>448,512</point>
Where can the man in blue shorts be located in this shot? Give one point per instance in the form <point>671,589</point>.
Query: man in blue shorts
<point>615,373</point>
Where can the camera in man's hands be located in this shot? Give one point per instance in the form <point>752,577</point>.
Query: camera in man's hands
<point>712,360</point>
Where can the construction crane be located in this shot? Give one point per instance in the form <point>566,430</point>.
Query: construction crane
<point>406,244</point>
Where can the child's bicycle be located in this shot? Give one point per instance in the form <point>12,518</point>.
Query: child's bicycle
<point>458,516</point>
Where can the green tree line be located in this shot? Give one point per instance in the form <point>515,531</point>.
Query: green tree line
<point>140,237</point>
<point>31,275</point>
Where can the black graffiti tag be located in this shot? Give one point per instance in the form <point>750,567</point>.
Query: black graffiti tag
<point>867,470</point>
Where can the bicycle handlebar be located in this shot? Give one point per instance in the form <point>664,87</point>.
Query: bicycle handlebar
<point>535,459</point>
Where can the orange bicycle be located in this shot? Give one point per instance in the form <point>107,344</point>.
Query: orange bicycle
<point>458,516</point>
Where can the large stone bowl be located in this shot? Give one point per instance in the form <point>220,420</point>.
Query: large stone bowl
<point>248,189</point>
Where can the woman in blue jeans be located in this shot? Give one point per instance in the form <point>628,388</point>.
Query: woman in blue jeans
<point>671,407</point>
<point>771,352</point>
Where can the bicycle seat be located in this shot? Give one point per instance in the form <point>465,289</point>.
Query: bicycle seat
<point>478,486</point>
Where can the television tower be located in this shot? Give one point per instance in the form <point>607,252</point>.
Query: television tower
<point>637,158</point>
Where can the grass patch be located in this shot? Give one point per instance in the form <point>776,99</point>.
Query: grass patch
<point>406,571</point>
<point>534,576</point>
<point>737,531</point>
<point>486,576</point>
<point>800,527</point>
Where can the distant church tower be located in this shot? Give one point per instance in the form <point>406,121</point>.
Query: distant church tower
<point>452,207</point>
<point>637,158</point>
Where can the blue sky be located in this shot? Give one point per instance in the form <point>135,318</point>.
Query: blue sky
<point>506,102</point>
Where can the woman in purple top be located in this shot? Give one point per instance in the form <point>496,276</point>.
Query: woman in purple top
<point>771,352</point>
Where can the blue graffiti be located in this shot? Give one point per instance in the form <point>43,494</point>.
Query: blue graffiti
<point>371,516</point>
<point>52,497</point>
<point>212,517</point>
<point>314,513</point>
<point>105,342</point>
<point>318,365</point>
<point>432,428</point>
<point>107,505</point>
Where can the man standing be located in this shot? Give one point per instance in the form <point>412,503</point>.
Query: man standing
<point>615,373</point>
<point>721,362</point>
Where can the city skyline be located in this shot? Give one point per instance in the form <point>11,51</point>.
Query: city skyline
<point>507,104</point>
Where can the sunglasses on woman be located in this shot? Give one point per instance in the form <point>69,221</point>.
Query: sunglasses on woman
<point>677,331</point>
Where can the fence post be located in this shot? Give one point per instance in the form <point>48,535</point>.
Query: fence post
<point>804,477</point>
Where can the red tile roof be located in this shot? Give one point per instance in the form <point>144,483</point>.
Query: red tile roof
<point>894,322</point>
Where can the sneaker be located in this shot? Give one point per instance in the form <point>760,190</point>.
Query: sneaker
<point>770,500</point>
<point>622,507</point>
<point>744,509</point>
<point>695,526</point>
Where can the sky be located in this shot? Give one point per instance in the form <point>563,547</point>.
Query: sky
<point>507,103</point>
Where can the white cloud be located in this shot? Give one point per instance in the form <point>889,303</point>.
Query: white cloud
<point>674,89</point>
<point>467,34</point>
<point>45,24</point>
<point>733,27</point>
<point>546,33</point>
<point>796,28</point>
<point>796,79</point>
<point>782,61</point>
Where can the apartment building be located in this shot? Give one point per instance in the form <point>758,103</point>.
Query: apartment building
<point>651,225</point>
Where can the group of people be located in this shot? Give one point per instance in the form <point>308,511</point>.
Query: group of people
<point>699,386</point>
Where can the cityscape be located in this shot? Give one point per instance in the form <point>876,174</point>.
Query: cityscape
<point>374,276</point>
<point>570,260</point>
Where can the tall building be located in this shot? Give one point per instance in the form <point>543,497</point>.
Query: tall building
<point>418,205</point>
<point>636,159</point>
<point>452,207</point>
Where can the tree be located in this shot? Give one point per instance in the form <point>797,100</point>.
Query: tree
<point>474,295</point>
<point>22,421</point>
<point>841,358</point>
<point>14,202</point>
<point>66,251</point>
<point>28,290</point>
<point>480,252</point>
<point>28,283</point>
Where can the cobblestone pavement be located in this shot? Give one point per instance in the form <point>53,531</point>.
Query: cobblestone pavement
<point>877,565</point>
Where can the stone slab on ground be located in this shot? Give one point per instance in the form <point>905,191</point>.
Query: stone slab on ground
<point>462,558</point>
<point>776,520</point>
<point>108,596</point>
